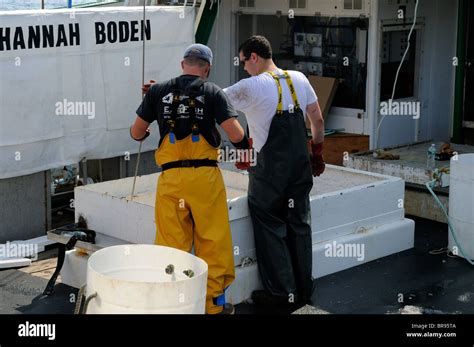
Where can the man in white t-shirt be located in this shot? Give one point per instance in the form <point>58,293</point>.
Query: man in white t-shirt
<point>276,104</point>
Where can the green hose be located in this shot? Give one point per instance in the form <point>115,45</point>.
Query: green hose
<point>429,185</point>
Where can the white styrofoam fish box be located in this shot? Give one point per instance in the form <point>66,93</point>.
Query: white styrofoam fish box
<point>351,212</point>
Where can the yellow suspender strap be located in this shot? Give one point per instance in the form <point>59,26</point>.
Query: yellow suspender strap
<point>280,93</point>
<point>292,89</point>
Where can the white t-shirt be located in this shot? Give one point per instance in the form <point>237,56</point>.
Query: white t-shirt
<point>257,97</point>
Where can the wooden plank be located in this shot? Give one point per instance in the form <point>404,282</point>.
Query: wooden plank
<point>423,205</point>
<point>79,244</point>
<point>101,240</point>
<point>325,88</point>
<point>42,268</point>
<point>336,145</point>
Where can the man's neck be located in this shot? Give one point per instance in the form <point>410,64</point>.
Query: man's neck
<point>268,66</point>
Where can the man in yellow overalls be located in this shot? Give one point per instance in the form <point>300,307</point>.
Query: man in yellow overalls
<point>191,203</point>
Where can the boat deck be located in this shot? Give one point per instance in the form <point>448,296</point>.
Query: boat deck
<point>429,284</point>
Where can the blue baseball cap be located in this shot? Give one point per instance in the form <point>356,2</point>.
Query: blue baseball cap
<point>200,51</point>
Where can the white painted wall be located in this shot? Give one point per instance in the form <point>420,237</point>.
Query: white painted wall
<point>222,42</point>
<point>224,45</point>
<point>436,83</point>
<point>322,7</point>
<point>440,81</point>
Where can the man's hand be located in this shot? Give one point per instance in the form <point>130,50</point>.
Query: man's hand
<point>317,161</point>
<point>147,86</point>
<point>245,162</point>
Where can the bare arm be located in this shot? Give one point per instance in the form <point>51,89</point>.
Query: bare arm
<point>315,117</point>
<point>233,129</point>
<point>139,128</point>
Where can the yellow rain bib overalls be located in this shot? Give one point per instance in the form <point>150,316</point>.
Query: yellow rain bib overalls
<point>191,202</point>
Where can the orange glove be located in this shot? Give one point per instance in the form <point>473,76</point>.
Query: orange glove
<point>147,86</point>
<point>317,161</point>
<point>245,163</point>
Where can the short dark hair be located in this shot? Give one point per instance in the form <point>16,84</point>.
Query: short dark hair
<point>193,61</point>
<point>257,44</point>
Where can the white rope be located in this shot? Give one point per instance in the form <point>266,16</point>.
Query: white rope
<point>399,68</point>
<point>143,82</point>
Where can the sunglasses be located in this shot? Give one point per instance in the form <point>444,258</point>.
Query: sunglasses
<point>242,62</point>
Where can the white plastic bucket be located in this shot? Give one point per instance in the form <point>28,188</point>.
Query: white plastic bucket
<point>461,204</point>
<point>132,279</point>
